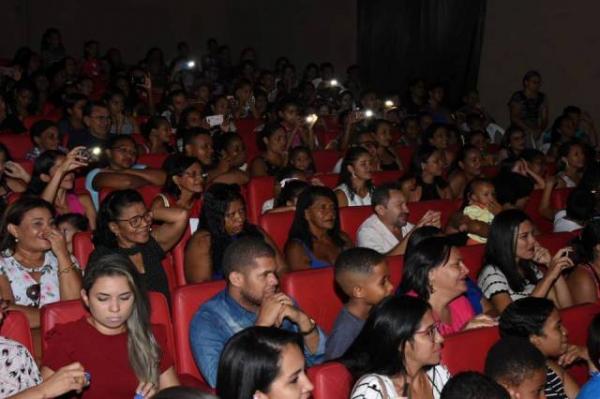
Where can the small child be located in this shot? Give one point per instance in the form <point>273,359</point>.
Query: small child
<point>473,385</point>
<point>480,207</point>
<point>69,224</point>
<point>301,158</point>
<point>518,366</point>
<point>591,390</point>
<point>363,275</point>
<point>285,175</point>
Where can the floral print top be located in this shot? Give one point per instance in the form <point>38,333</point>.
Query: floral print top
<point>18,370</point>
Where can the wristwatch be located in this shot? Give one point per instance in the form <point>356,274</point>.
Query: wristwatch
<point>313,325</point>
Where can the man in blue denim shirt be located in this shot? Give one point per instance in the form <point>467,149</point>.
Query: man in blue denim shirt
<point>252,297</point>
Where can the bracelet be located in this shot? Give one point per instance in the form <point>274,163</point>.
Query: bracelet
<point>312,328</point>
<point>67,269</point>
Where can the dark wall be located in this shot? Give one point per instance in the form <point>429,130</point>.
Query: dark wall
<point>304,30</point>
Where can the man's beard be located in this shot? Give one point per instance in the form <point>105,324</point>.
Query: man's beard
<point>249,298</point>
<point>401,221</point>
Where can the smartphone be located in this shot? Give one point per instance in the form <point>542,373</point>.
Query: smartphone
<point>90,154</point>
<point>215,120</point>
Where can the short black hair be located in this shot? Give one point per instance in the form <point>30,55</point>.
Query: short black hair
<point>90,105</point>
<point>79,221</point>
<point>381,194</point>
<point>40,127</point>
<point>357,260</point>
<point>473,385</point>
<point>190,134</point>
<point>580,205</point>
<point>525,317</point>
<point>511,187</point>
<point>512,360</point>
<point>243,252</point>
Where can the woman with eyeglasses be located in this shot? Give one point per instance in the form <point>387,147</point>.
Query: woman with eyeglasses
<point>434,271</point>
<point>125,226</point>
<point>120,171</point>
<point>35,265</point>
<point>184,186</point>
<point>397,353</point>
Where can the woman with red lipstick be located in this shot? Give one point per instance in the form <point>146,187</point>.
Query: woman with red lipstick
<point>315,239</point>
<point>513,264</point>
<point>397,353</point>
<point>434,271</point>
<point>124,226</point>
<point>35,266</point>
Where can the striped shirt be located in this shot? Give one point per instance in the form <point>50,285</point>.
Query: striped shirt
<point>554,388</point>
<point>492,281</point>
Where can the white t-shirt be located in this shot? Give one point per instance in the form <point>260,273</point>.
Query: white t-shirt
<point>338,166</point>
<point>354,199</point>
<point>562,224</point>
<point>267,206</point>
<point>373,234</point>
<point>375,386</point>
<point>492,281</point>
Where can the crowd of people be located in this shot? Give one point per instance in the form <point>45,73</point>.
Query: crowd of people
<point>218,124</point>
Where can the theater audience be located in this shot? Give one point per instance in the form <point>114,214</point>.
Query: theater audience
<point>529,109</point>
<point>72,124</point>
<point>118,324</point>
<point>301,158</point>
<point>473,385</point>
<point>397,353</point>
<point>513,143</point>
<point>428,170</point>
<point>436,135</point>
<point>251,298</point>
<point>120,121</point>
<point>388,159</point>
<point>96,118</point>
<point>263,362</point>
<point>466,167</point>
<point>572,159</point>
<point>354,185</point>
<point>231,163</point>
<point>273,145</point>
<point>44,136</point>
<point>583,280</point>
<point>124,227</point>
<point>13,177</point>
<point>157,133</point>
<point>512,190</point>
<point>479,207</point>
<point>315,239</point>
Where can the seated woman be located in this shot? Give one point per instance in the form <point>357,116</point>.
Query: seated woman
<point>315,239</point>
<point>124,227</point>
<point>397,353</point>
<point>436,135</point>
<point>184,186</point>
<point>120,121</point>
<point>572,162</point>
<point>584,279</point>
<point>513,143</point>
<point>121,172</point>
<point>53,180</point>
<point>538,320</point>
<point>35,266</point>
<point>157,133</point>
<point>222,221</point>
<point>263,363</point>
<point>354,185</point>
<point>272,142</point>
<point>512,264</point>
<point>44,136</point>
<point>388,159</point>
<point>434,271</point>
<point>119,325</point>
<point>230,166</point>
<point>466,167</point>
<point>428,170</point>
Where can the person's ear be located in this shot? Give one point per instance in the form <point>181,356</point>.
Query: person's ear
<point>266,141</point>
<point>114,228</point>
<point>511,392</point>
<point>535,340</point>
<point>351,170</point>
<point>259,395</point>
<point>12,230</point>
<point>358,292</point>
<point>87,120</point>
<point>85,298</point>
<point>461,164</point>
<point>380,209</point>
<point>176,180</point>
<point>236,279</point>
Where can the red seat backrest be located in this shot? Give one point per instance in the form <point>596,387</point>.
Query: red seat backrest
<point>30,120</point>
<point>67,311</point>
<point>467,350</point>
<point>325,160</point>
<point>260,189</point>
<point>185,302</point>
<point>329,179</point>
<point>304,284</point>
<point>555,241</point>
<point>277,226</point>
<point>152,160</point>
<point>396,267</point>
<point>531,208</point>
<point>386,176</point>
<point>148,193</point>
<point>446,207</point>
<point>16,327</point>
<point>26,164</point>
<point>405,153</point>
<point>559,197</point>
<point>331,381</point>
<point>576,320</point>
<point>473,257</point>
<point>18,144</point>
<point>490,171</point>
<point>246,129</point>
<point>351,217</point>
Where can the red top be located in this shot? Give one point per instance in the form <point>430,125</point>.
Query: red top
<point>105,357</point>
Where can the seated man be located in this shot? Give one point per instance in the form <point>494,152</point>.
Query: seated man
<point>251,298</point>
<point>97,119</point>
<point>388,229</point>
<point>363,275</point>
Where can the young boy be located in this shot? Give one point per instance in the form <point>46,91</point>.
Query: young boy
<point>517,365</point>
<point>472,385</point>
<point>363,275</point>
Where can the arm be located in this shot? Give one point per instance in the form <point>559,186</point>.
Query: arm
<point>500,301</point>
<point>71,163</point>
<point>198,262</point>
<point>152,176</point>
<point>168,379</point>
<point>207,344</point>
<point>117,181</point>
<point>571,387</point>
<point>258,168</point>
<point>66,379</point>
<point>582,287</point>
<point>560,293</point>
<point>90,210</point>
<point>296,256</point>
<point>477,227</point>
<point>174,223</point>
<point>341,197</point>
<point>69,275</point>
<point>545,208</point>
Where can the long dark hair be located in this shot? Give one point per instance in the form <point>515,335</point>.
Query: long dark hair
<point>176,165</point>
<point>585,244</point>
<point>42,165</point>
<point>14,214</point>
<point>501,249</point>
<point>215,203</point>
<point>423,153</point>
<point>380,346</point>
<point>423,257</point>
<point>251,359</point>
<point>300,230</point>
<point>110,210</point>
<point>351,156</point>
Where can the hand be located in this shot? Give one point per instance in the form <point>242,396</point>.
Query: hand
<point>315,181</point>
<point>494,207</point>
<point>146,390</point>
<point>519,167</point>
<point>16,171</point>
<point>430,218</point>
<point>572,354</point>
<point>295,315</point>
<point>57,241</point>
<point>147,85</point>
<point>561,261</point>
<point>480,321</point>
<point>74,160</point>
<point>551,181</point>
<point>541,255</point>
<point>270,309</point>
<point>66,379</point>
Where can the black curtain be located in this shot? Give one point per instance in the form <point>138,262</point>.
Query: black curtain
<point>438,40</point>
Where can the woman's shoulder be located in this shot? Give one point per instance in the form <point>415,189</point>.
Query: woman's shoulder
<point>373,386</point>
<point>70,331</point>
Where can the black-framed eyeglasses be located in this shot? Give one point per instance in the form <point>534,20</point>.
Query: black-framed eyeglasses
<point>431,332</point>
<point>136,220</point>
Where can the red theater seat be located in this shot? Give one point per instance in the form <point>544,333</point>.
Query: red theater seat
<point>304,285</point>
<point>467,350</point>
<point>152,160</point>
<point>277,226</point>
<point>325,160</point>
<point>473,258</point>
<point>396,266</point>
<point>260,189</point>
<point>185,302</point>
<point>16,327</point>
<point>576,320</point>
<point>559,197</point>
<point>387,176</point>
<point>67,311</point>
<point>178,253</point>
<point>18,144</point>
<point>555,241</point>
<point>351,217</point>
<point>329,179</point>
<point>331,381</point>
<point>446,207</point>
<point>532,209</point>
<point>405,153</point>
<point>30,120</point>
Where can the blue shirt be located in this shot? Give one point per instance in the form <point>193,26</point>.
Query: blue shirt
<point>219,319</point>
<point>591,390</point>
<point>89,183</point>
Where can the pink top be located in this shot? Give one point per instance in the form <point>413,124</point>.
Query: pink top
<point>74,204</point>
<point>461,313</point>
